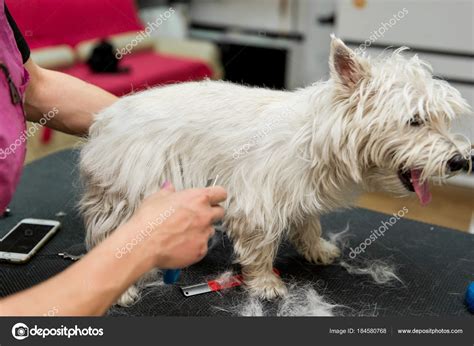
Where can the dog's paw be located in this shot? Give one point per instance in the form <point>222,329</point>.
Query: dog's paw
<point>267,287</point>
<point>323,253</point>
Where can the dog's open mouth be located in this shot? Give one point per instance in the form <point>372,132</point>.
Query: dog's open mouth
<point>411,180</point>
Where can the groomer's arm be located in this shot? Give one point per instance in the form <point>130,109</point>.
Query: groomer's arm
<point>75,100</point>
<point>93,284</point>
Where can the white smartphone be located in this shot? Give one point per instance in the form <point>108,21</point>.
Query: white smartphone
<point>26,238</point>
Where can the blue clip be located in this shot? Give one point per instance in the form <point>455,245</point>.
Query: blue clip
<point>170,276</point>
<point>470,297</point>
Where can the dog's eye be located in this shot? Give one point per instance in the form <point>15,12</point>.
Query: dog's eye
<point>416,121</point>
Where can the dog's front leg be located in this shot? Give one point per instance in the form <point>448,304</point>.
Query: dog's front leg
<point>256,255</point>
<point>259,277</point>
<point>308,242</point>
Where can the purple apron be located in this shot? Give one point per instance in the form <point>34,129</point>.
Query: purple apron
<point>13,81</point>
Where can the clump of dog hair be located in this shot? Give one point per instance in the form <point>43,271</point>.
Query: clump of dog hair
<point>340,239</point>
<point>380,271</point>
<point>224,279</point>
<point>225,276</point>
<point>253,307</point>
<point>301,300</point>
<point>305,301</point>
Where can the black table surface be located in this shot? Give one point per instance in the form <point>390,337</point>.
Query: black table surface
<point>435,264</point>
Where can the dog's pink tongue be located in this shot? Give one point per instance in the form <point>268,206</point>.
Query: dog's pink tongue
<point>422,190</point>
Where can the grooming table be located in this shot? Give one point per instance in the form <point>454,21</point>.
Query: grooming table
<point>436,264</point>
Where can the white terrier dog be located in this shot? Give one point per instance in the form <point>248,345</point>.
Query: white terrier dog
<point>285,157</point>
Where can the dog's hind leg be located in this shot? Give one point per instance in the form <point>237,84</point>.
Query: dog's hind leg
<point>104,212</point>
<point>256,257</point>
<point>308,242</point>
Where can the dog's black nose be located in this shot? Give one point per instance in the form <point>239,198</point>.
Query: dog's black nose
<point>457,163</point>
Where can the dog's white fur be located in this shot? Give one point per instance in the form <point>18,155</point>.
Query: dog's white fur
<point>285,157</point>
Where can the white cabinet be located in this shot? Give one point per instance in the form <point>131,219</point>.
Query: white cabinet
<point>440,32</point>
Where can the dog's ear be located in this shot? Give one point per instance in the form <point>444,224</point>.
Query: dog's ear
<point>346,67</point>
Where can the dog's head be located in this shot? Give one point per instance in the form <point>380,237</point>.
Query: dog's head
<point>395,119</point>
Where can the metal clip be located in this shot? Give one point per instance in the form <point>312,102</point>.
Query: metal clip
<point>68,256</point>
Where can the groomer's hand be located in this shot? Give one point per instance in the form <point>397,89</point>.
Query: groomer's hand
<point>178,225</point>
<point>170,230</point>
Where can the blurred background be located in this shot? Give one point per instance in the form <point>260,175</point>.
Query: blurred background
<point>281,44</point>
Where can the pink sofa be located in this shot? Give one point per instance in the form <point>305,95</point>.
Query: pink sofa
<point>147,69</point>
<point>51,23</point>
<point>48,23</point>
